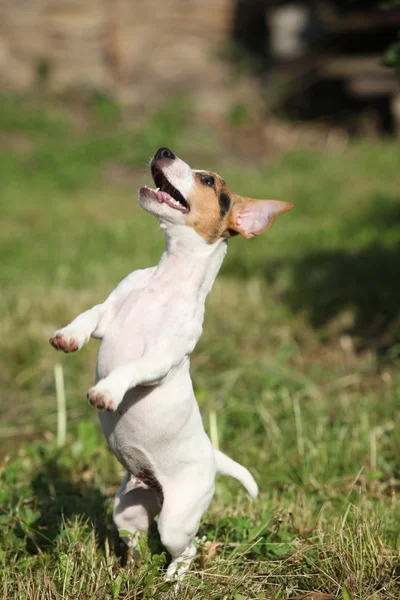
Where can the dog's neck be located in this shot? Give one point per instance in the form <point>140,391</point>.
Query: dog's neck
<point>189,263</point>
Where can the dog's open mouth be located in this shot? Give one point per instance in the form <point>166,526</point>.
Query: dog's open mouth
<point>167,193</point>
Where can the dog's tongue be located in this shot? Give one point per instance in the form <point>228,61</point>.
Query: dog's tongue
<point>162,196</point>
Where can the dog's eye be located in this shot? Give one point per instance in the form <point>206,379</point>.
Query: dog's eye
<point>208,181</point>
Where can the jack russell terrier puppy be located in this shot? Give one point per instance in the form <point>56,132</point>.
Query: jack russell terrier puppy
<point>148,327</point>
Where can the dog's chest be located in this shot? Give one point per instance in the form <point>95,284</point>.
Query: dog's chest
<point>148,319</point>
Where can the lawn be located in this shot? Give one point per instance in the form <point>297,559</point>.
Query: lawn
<point>296,373</point>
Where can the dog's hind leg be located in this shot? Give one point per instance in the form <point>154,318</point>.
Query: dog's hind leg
<point>134,510</point>
<point>185,501</point>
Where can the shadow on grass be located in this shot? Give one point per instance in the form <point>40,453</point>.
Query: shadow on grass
<point>59,499</point>
<point>365,281</point>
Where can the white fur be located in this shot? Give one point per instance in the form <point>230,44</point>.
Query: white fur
<point>148,328</point>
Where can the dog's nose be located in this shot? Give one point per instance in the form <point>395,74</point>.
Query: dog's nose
<point>164,153</point>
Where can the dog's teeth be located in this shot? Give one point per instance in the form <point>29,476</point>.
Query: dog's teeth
<point>158,189</point>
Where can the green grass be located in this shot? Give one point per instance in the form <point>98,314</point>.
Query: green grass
<point>297,361</point>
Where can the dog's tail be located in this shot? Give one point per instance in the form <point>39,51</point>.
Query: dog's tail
<point>227,466</point>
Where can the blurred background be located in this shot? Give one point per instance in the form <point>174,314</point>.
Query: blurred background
<point>297,370</point>
<point>306,60</point>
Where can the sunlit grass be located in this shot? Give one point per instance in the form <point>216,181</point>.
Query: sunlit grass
<point>297,362</point>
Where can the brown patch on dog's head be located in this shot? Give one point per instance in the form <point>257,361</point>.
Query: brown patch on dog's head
<point>210,202</point>
<point>217,212</point>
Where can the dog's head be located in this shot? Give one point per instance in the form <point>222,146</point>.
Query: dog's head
<point>202,201</point>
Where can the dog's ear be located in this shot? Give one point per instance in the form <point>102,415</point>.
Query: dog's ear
<point>252,217</point>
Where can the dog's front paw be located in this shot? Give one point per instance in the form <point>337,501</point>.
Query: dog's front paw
<point>65,342</point>
<point>101,399</point>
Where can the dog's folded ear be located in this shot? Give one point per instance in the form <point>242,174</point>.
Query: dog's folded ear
<point>252,217</point>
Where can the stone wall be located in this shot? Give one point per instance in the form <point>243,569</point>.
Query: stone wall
<point>137,50</point>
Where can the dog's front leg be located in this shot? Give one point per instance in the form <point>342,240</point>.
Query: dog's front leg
<point>75,335</point>
<point>109,392</point>
<point>93,322</point>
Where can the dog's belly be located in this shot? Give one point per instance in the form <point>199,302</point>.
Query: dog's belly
<point>157,431</point>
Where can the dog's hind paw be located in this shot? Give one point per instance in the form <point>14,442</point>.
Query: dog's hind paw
<point>66,343</point>
<point>100,399</point>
